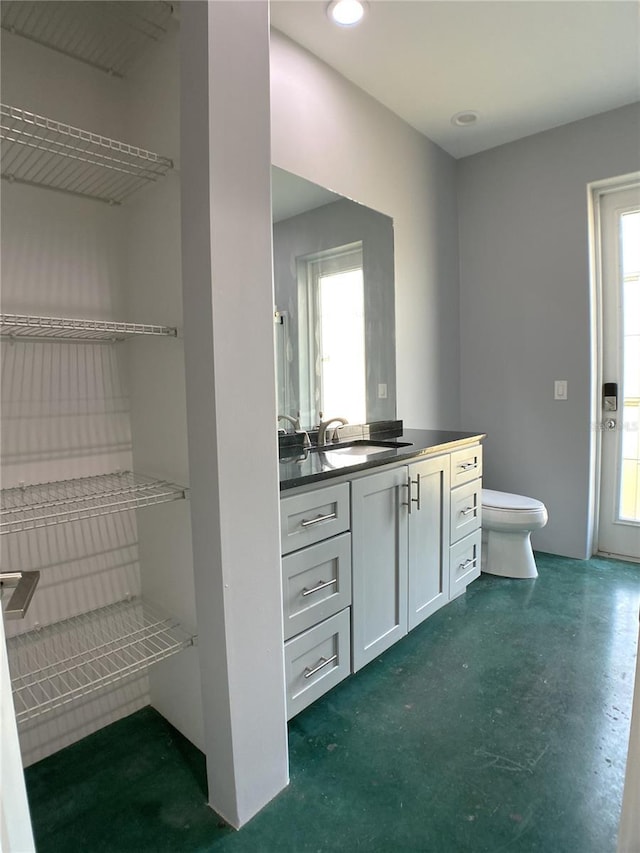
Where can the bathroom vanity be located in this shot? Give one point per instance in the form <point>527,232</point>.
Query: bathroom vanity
<point>378,533</point>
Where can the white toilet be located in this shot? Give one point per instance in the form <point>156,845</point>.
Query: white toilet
<point>507,522</point>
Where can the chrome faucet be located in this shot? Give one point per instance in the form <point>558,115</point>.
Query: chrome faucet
<point>324,428</point>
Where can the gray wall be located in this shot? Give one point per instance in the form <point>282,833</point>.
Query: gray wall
<point>338,224</point>
<point>325,129</point>
<point>525,311</point>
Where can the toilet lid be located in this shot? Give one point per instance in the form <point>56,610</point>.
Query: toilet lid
<point>505,500</point>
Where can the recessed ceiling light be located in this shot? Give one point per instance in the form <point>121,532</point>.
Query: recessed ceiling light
<point>465,118</point>
<point>346,13</point>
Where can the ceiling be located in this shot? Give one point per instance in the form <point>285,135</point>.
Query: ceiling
<point>523,65</point>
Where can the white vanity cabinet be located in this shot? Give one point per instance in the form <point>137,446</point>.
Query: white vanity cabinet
<point>408,543</point>
<point>316,589</point>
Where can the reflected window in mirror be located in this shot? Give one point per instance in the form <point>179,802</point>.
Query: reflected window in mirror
<point>331,289</point>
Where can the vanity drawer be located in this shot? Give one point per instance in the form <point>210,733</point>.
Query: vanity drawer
<point>464,563</point>
<point>313,516</point>
<point>466,510</point>
<point>316,583</point>
<point>317,660</point>
<point>466,465</point>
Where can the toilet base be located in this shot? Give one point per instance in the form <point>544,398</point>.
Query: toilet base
<point>508,554</point>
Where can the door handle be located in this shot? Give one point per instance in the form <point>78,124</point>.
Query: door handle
<point>610,396</point>
<point>25,584</point>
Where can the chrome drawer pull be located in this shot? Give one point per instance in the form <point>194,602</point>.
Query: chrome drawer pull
<point>468,563</point>
<point>323,662</point>
<point>320,585</point>
<point>467,466</point>
<point>468,510</point>
<point>308,522</point>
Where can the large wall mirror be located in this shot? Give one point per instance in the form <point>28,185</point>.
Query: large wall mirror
<point>335,315</point>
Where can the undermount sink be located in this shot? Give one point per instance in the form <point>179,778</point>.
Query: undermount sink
<point>363,447</point>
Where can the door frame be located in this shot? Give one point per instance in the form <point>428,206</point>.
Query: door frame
<point>596,190</point>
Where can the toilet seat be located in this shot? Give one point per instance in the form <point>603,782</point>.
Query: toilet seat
<point>505,511</point>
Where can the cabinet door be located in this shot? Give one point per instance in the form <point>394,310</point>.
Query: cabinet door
<point>379,563</point>
<point>428,538</point>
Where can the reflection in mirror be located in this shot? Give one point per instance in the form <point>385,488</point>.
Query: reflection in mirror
<point>335,317</point>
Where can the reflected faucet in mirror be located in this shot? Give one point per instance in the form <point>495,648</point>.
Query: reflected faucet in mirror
<point>295,422</point>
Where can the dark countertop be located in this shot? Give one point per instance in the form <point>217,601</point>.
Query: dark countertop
<point>306,467</point>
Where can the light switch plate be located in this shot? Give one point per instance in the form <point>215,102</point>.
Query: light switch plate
<point>560,389</point>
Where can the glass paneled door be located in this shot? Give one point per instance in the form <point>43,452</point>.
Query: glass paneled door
<point>619,519</point>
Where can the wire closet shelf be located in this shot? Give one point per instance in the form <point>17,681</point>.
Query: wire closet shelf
<point>40,151</point>
<point>30,507</point>
<point>60,663</point>
<point>15,326</point>
<point>109,36</point>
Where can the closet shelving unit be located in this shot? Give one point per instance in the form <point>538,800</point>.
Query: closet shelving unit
<point>23,326</point>
<point>30,507</point>
<point>57,664</point>
<point>43,152</point>
<point>107,36</point>
<point>68,660</point>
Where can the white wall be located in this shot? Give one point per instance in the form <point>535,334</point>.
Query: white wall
<point>325,129</point>
<point>525,311</point>
<point>153,294</point>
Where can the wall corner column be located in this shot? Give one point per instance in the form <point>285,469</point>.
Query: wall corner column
<point>231,400</point>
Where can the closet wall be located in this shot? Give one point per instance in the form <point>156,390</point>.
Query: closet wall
<point>78,409</point>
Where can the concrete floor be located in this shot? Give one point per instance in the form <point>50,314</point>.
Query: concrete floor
<point>501,723</point>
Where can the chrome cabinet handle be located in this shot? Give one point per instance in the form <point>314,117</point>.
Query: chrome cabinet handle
<point>320,585</point>
<point>307,522</point>
<point>468,510</point>
<point>467,466</point>
<point>25,585</point>
<point>468,563</point>
<point>410,499</point>
<point>321,665</point>
<point>407,486</point>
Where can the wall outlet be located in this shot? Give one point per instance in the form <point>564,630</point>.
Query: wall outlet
<point>560,389</point>
<point>382,390</point>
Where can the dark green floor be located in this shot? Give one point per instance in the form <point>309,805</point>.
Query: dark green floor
<point>500,724</point>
